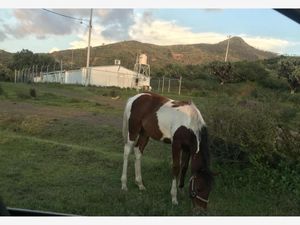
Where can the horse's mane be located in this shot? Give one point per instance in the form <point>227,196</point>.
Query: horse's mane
<point>205,155</point>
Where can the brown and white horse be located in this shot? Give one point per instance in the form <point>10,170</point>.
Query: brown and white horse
<point>178,123</point>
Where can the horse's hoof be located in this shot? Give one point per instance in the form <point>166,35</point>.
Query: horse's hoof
<point>142,188</point>
<point>124,188</point>
<point>174,202</point>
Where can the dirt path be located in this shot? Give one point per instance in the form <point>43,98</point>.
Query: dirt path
<point>53,112</point>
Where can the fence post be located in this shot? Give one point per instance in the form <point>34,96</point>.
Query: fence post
<point>23,75</point>
<point>35,75</point>
<point>61,68</point>
<point>179,91</point>
<point>158,84</point>
<point>15,76</point>
<point>163,84</point>
<point>169,85</point>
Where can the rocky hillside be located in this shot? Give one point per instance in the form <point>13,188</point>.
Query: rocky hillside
<point>158,56</point>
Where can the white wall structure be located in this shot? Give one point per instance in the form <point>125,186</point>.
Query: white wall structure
<point>114,75</point>
<point>74,77</point>
<point>51,77</point>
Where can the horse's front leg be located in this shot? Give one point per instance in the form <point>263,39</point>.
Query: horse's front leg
<point>176,168</point>
<point>185,158</point>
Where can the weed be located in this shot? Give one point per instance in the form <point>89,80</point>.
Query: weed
<point>32,92</point>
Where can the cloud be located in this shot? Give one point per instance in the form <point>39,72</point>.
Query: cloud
<point>2,35</point>
<point>168,32</point>
<point>41,23</point>
<point>97,38</point>
<point>115,22</point>
<point>267,43</point>
<point>54,50</point>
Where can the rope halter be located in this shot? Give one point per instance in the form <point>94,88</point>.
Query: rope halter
<point>193,193</point>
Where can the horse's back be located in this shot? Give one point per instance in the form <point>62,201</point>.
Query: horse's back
<point>175,114</point>
<point>160,116</point>
<point>144,103</point>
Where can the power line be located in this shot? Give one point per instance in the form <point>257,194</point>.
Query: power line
<point>66,16</point>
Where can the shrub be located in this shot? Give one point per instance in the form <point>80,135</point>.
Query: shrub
<point>32,92</point>
<point>294,98</point>
<point>251,71</point>
<point>23,94</point>
<point>113,93</point>
<point>5,73</point>
<point>241,133</point>
<point>273,83</point>
<point>1,90</point>
<point>287,113</point>
<point>249,134</point>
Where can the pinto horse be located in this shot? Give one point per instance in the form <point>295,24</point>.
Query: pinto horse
<point>176,122</point>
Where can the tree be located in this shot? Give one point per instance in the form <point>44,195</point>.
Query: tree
<point>174,70</point>
<point>222,70</point>
<point>28,59</point>
<point>290,69</point>
<point>295,78</point>
<point>22,59</point>
<point>5,73</point>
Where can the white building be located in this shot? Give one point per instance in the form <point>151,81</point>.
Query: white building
<point>115,75</point>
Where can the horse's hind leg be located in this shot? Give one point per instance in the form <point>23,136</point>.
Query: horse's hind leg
<point>127,149</point>
<point>138,150</point>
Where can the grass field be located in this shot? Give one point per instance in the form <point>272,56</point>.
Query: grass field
<point>62,151</point>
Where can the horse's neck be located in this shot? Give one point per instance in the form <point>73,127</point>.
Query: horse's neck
<point>197,163</point>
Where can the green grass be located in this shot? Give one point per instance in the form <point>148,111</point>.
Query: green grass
<point>71,162</point>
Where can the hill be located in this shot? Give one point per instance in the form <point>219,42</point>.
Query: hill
<point>5,57</point>
<point>158,56</point>
<point>161,55</point>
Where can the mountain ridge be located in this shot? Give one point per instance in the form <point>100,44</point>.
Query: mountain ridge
<point>158,55</point>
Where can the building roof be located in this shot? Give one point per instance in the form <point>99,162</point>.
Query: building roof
<point>114,68</point>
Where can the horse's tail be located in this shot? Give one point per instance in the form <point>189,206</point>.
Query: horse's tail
<point>204,147</point>
<point>125,123</point>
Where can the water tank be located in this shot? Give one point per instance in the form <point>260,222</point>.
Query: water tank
<point>143,59</point>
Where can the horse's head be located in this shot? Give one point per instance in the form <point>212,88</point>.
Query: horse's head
<point>200,187</point>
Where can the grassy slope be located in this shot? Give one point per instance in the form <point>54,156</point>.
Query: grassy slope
<point>69,159</point>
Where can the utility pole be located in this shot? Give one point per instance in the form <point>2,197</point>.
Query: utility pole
<point>227,48</point>
<point>87,75</point>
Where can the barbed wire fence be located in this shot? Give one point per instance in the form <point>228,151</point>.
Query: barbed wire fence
<point>167,85</point>
<point>28,73</point>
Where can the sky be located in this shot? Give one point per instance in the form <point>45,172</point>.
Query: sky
<point>41,31</point>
